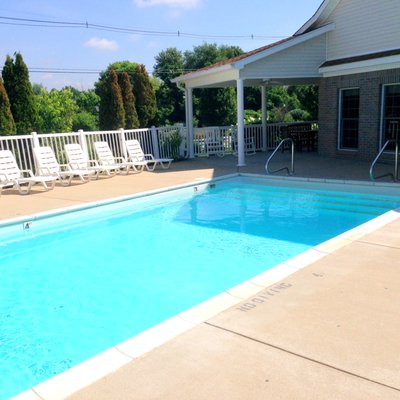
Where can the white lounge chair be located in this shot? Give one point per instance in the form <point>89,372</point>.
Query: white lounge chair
<point>136,154</point>
<point>77,160</point>
<point>48,165</point>
<point>11,175</point>
<point>107,159</point>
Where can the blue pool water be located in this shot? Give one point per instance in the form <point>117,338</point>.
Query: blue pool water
<point>78,283</point>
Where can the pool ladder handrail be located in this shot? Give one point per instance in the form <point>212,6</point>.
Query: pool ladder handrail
<point>395,175</point>
<point>289,171</point>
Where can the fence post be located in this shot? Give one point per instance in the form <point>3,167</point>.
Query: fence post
<point>83,143</point>
<point>121,136</point>
<point>183,145</point>
<point>35,139</point>
<point>154,139</point>
<point>35,143</point>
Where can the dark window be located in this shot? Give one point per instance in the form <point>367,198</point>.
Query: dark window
<point>349,116</point>
<point>391,112</point>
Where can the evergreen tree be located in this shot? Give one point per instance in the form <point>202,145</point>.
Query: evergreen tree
<point>20,93</point>
<point>7,124</point>
<point>145,97</point>
<point>111,112</point>
<point>145,100</point>
<point>128,98</point>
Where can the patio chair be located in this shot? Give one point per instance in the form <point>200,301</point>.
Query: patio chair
<point>11,175</point>
<point>136,155</point>
<point>48,165</point>
<point>77,160</point>
<point>108,161</point>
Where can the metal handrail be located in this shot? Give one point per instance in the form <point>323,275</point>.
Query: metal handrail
<point>289,172</point>
<point>394,176</point>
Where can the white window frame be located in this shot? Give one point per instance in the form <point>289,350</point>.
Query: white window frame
<point>382,121</point>
<point>341,90</point>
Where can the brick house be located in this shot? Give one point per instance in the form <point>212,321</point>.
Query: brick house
<point>351,50</point>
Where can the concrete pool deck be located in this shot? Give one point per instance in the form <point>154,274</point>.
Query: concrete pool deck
<point>323,327</point>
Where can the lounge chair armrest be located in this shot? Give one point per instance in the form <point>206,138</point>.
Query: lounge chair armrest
<point>27,173</point>
<point>119,160</point>
<point>65,167</point>
<point>148,156</point>
<point>74,165</point>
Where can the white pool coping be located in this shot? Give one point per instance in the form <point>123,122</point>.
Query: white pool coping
<point>107,362</point>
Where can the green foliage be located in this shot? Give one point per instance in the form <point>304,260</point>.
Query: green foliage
<point>111,109</point>
<point>170,99</point>
<point>308,98</point>
<point>292,104</point>
<point>145,97</point>
<point>86,121</point>
<point>171,144</point>
<point>128,99</point>
<point>7,124</point>
<point>57,110</point>
<point>252,117</point>
<point>20,93</point>
<point>142,87</point>
<point>212,106</point>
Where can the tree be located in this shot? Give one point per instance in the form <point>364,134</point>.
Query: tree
<point>19,89</point>
<point>111,112</point>
<point>142,87</point>
<point>308,98</point>
<point>145,97</point>
<point>87,116</point>
<point>128,99</point>
<point>57,109</point>
<point>7,124</point>
<point>212,106</point>
<point>170,99</point>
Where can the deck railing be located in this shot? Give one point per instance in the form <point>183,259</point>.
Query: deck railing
<point>161,141</point>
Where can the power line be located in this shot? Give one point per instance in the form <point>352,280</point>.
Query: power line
<point>86,25</point>
<point>93,71</point>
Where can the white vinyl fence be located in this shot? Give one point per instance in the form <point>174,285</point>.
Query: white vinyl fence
<point>156,141</point>
<point>168,142</point>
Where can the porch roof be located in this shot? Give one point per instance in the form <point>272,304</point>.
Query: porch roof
<point>293,60</point>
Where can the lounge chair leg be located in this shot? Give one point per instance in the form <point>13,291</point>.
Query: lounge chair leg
<point>27,191</point>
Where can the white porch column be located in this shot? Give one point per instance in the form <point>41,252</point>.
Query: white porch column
<point>264,116</point>
<point>189,120</point>
<point>240,122</point>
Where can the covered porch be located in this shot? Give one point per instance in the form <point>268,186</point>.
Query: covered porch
<point>292,61</point>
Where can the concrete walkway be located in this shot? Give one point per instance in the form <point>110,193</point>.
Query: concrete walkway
<point>327,331</point>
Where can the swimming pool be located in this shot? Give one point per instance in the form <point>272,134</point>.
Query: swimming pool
<point>77,283</point>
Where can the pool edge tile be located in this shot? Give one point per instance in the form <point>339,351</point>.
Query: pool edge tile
<point>305,259</point>
<point>209,308</point>
<point>72,380</point>
<point>27,395</point>
<point>244,290</point>
<point>273,275</point>
<point>334,244</point>
<point>154,337</point>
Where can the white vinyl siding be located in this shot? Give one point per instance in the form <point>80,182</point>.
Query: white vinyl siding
<point>302,60</point>
<point>363,27</point>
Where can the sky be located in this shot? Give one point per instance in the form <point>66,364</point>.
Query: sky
<point>85,36</point>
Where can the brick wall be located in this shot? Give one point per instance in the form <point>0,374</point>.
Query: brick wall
<point>370,85</point>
